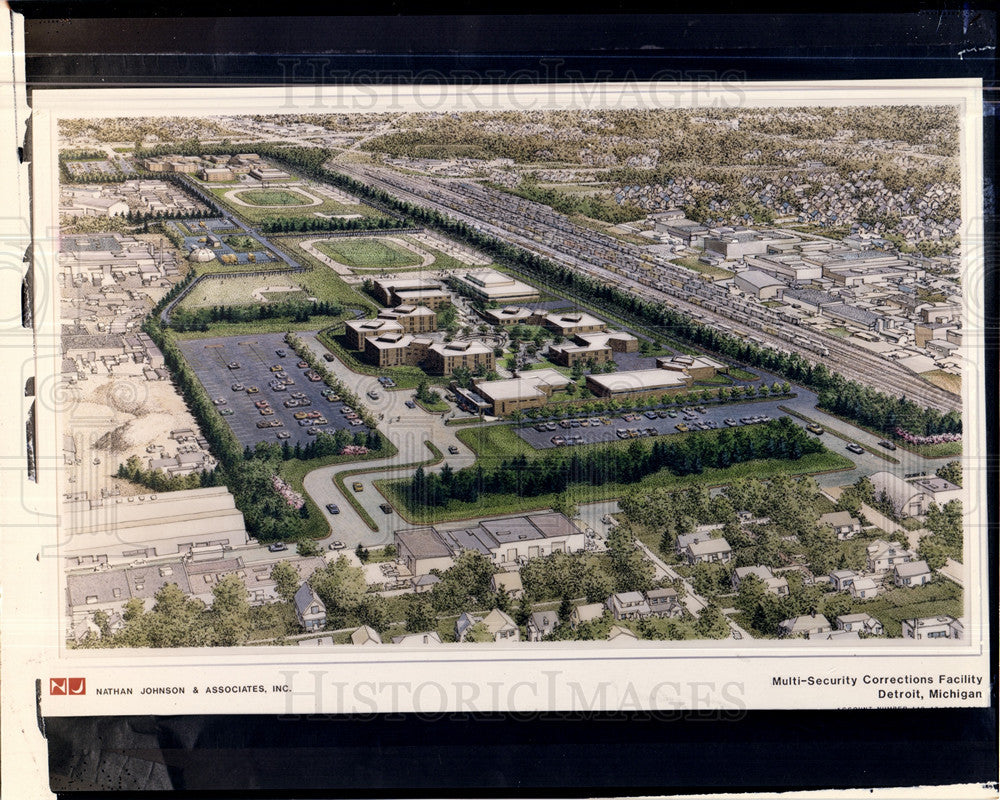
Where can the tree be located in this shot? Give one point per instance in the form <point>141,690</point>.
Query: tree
<point>712,623</point>
<point>307,547</point>
<point>420,616</point>
<point>952,471</point>
<point>340,585</point>
<point>286,580</point>
<point>361,553</point>
<point>564,505</point>
<point>230,612</point>
<point>565,608</point>
<point>374,612</point>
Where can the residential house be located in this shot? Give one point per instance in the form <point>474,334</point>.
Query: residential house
<point>933,628</point>
<point>708,552</point>
<point>804,627</point>
<point>588,612</point>
<point>426,639</point>
<point>843,524</point>
<point>842,579</point>
<point>774,585</point>
<point>499,624</point>
<point>663,603</point>
<point>691,538</point>
<point>864,589</point>
<point>365,635</point>
<point>912,573</point>
<point>509,583</point>
<point>541,624</point>
<point>309,609</point>
<point>628,605</point>
<point>861,623</point>
<point>619,632</point>
<point>883,556</point>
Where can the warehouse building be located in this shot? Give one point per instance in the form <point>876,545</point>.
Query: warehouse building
<point>638,383</point>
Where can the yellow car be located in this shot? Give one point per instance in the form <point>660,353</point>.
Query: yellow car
<point>252,390</point>
<point>358,487</point>
<point>300,414</point>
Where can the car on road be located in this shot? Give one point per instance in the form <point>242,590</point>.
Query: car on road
<point>374,395</point>
<point>887,445</point>
<point>284,435</point>
<point>814,428</point>
<point>277,547</point>
<point>410,404</point>
<point>337,545</point>
<point>386,508</point>
<point>238,387</point>
<point>855,448</point>
<point>328,356</point>
<point>333,508</point>
<point>358,486</point>
<point>453,450</point>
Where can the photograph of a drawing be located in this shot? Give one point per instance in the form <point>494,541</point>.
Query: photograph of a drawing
<point>512,377</point>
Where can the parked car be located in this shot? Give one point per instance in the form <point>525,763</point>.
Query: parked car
<point>337,545</point>
<point>358,486</point>
<point>219,401</point>
<point>453,450</point>
<point>252,390</point>
<point>233,365</point>
<point>386,508</point>
<point>410,404</point>
<point>887,445</point>
<point>226,412</point>
<point>238,387</point>
<point>280,353</point>
<point>374,395</point>
<point>328,356</point>
<point>277,547</point>
<point>284,435</point>
<point>855,448</point>
<point>333,508</point>
<point>302,365</point>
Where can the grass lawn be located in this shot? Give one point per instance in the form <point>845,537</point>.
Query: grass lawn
<point>282,297</point>
<point>436,407</point>
<point>715,380</point>
<point>742,374</point>
<point>944,380</point>
<point>490,504</point>
<point>237,291</point>
<point>941,597</point>
<point>705,269</point>
<point>839,331</point>
<point>273,197</point>
<point>321,281</point>
<point>243,244</point>
<point>364,252</point>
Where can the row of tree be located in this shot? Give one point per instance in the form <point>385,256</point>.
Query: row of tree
<point>199,319</point>
<point>597,466</point>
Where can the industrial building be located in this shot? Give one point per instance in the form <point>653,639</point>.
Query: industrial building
<point>638,383</point>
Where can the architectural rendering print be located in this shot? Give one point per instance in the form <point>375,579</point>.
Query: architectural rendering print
<point>415,379</point>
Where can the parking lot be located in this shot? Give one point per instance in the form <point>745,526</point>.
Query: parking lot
<point>256,356</point>
<point>713,416</point>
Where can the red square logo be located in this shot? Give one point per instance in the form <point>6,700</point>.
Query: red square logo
<point>57,685</point>
<point>67,686</point>
<point>77,685</point>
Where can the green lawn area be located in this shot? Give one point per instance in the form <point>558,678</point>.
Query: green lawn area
<point>705,269</point>
<point>742,374</point>
<point>944,380</point>
<point>239,291</point>
<point>321,281</point>
<point>276,325</point>
<point>715,380</point>
<point>242,244</point>
<point>435,408</point>
<point>368,252</point>
<point>941,597</point>
<point>840,331</point>
<point>282,297</point>
<point>273,197</point>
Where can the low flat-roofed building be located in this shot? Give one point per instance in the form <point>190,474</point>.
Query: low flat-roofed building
<point>510,315</point>
<point>423,549</point>
<point>940,490</point>
<point>493,286</point>
<point>638,383</point>
<point>532,390</point>
<point>96,207</point>
<point>444,358</point>
<point>573,322</point>
<point>413,318</point>
<point>908,499</point>
<point>812,301</point>
<point>507,541</point>
<point>396,349</point>
<point>356,331</point>
<point>759,284</point>
<point>269,174</point>
<point>173,522</point>
<point>792,267</point>
<point>699,368</point>
<point>212,174</point>
<point>431,298</point>
<point>387,289</point>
